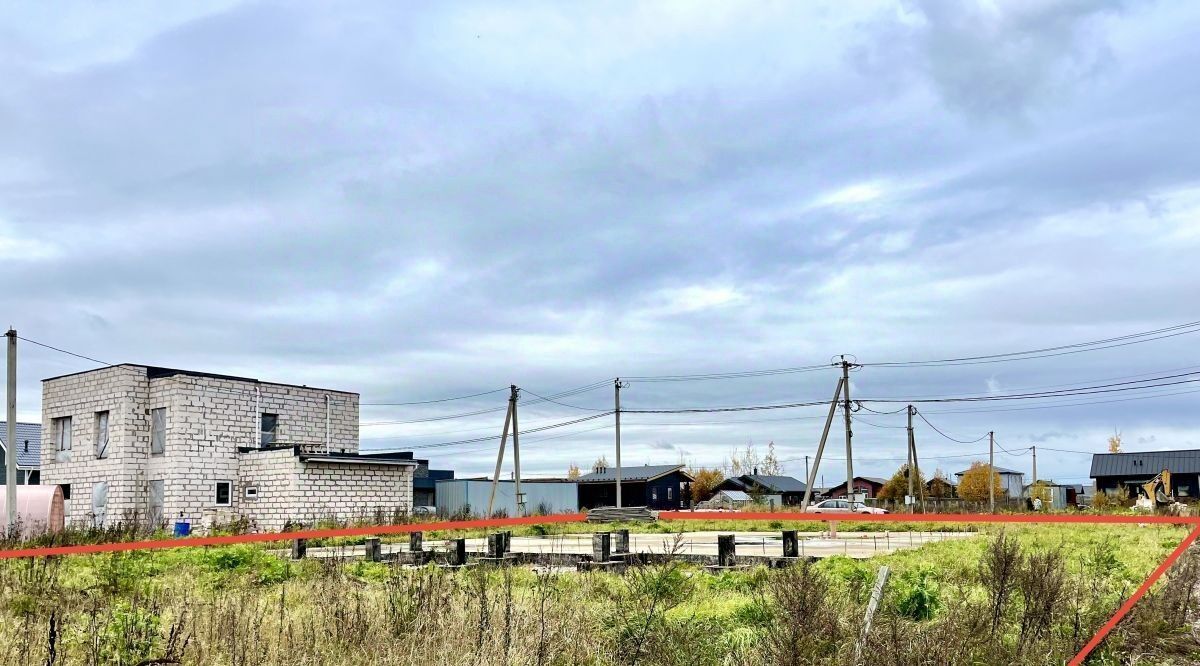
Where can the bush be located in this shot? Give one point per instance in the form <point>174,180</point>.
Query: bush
<point>919,598</point>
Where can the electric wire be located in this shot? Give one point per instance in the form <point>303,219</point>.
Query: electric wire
<point>1060,350</point>
<point>64,351</point>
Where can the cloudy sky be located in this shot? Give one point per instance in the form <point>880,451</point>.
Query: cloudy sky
<point>425,200</point>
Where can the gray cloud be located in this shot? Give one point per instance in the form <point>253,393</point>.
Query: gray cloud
<point>415,203</point>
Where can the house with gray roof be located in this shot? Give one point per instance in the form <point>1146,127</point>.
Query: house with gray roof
<point>787,489</point>
<point>1112,471</point>
<point>662,487</point>
<point>29,451</point>
<point>1012,481</point>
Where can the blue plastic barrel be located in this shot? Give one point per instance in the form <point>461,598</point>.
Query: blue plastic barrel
<point>182,528</point>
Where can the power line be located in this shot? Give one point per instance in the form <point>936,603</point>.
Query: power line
<point>1075,348</point>
<point>476,440</point>
<point>545,399</point>
<point>953,439</point>
<point>728,375</point>
<point>64,351</point>
<point>430,402</point>
<point>706,410</point>
<point>1084,390</point>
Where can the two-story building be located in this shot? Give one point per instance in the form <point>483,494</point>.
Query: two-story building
<point>135,442</point>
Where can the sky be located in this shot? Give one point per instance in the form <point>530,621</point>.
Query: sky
<point>417,201</point>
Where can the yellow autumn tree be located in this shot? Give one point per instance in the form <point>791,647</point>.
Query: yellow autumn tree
<point>973,486</point>
<point>705,482</point>
<point>573,471</point>
<point>1114,442</point>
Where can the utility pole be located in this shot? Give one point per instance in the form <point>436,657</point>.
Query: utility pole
<point>992,472</point>
<point>500,457</point>
<point>1033,486</point>
<point>805,468</point>
<point>809,477</point>
<point>912,443</point>
<point>617,414</point>
<point>911,460</point>
<point>849,433</point>
<point>520,498</point>
<point>10,455</point>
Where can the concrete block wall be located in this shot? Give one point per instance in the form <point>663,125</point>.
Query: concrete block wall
<point>275,475</point>
<point>207,420</point>
<point>122,391</point>
<point>348,492</point>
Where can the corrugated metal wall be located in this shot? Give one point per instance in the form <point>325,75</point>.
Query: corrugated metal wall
<point>458,496</point>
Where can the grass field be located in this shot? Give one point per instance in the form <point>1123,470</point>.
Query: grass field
<point>1025,594</point>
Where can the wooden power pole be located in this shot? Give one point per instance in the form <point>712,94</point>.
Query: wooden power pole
<point>10,454</point>
<point>812,475</point>
<point>991,472</point>
<point>849,433</point>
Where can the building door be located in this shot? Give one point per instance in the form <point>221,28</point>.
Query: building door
<point>154,510</point>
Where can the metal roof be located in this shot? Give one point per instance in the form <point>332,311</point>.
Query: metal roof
<point>1145,463</point>
<point>643,473</point>
<point>735,495</point>
<point>779,484</point>
<point>999,470</point>
<point>29,456</point>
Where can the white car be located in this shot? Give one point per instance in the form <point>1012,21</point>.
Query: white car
<point>843,506</point>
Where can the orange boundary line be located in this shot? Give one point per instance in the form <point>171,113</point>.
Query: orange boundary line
<point>1137,595</point>
<point>191,542</point>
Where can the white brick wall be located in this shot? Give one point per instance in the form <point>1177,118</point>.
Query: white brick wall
<point>208,419</point>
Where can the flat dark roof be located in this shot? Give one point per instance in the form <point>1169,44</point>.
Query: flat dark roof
<point>156,372</point>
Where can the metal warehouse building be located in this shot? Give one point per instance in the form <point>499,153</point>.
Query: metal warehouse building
<point>470,497</point>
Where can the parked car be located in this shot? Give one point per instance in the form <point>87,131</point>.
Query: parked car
<point>843,506</point>
<point>424,510</point>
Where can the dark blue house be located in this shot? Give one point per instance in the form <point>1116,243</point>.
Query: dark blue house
<point>653,486</point>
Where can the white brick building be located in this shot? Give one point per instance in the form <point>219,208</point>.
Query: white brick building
<point>138,442</point>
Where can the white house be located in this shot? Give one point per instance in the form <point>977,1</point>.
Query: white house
<point>1012,481</point>
<point>135,442</point>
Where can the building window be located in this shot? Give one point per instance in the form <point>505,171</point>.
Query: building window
<point>669,493</point>
<point>101,434</point>
<point>61,430</point>
<point>270,428</point>
<point>99,503</point>
<point>158,430</point>
<point>252,492</point>
<point>66,490</point>
<point>654,494</point>
<point>223,493</point>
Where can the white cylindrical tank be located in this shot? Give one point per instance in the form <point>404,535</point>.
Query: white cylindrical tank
<point>39,510</point>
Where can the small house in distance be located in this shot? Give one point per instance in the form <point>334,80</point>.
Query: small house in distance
<point>29,451</point>
<point>869,485</point>
<point>782,489</point>
<point>1112,471</point>
<point>1012,481</point>
<point>655,486</point>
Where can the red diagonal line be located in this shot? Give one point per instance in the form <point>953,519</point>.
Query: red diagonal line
<point>1141,592</point>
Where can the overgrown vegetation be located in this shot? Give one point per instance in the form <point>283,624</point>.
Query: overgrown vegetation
<point>1029,595</point>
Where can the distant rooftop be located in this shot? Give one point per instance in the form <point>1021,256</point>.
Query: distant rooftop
<point>1145,463</point>
<point>643,473</point>
<point>29,444</point>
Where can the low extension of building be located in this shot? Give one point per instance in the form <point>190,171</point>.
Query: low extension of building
<point>135,442</point>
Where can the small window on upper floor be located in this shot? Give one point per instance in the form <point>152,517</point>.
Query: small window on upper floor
<point>270,429</point>
<point>158,430</point>
<point>102,434</point>
<point>61,431</point>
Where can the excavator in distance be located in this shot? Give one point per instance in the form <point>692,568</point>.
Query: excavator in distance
<point>1157,491</point>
